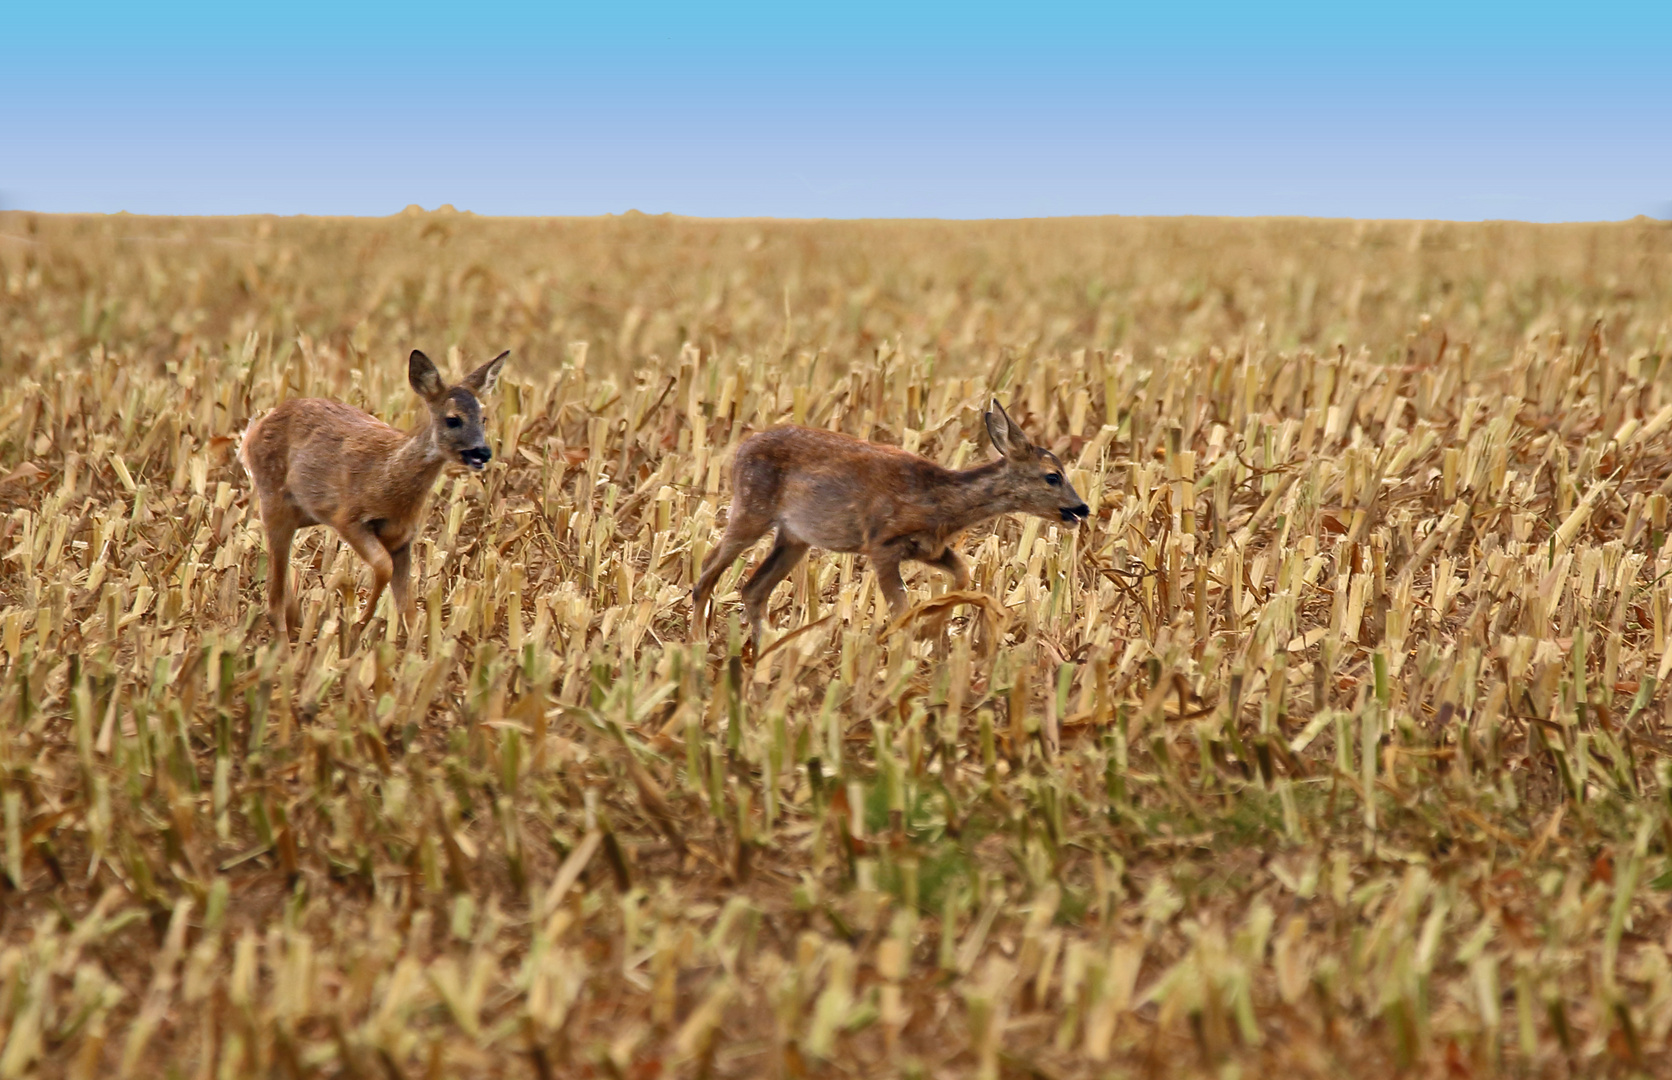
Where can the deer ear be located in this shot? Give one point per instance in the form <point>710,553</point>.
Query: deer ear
<point>1006,434</point>
<point>485,378</point>
<point>423,376</point>
<point>998,429</point>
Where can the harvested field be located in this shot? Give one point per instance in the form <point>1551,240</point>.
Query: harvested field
<point>1336,742</point>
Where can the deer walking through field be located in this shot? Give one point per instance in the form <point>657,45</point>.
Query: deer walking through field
<point>321,462</point>
<point>825,489</point>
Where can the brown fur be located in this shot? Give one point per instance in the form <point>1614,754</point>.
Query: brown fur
<point>319,462</point>
<point>825,489</point>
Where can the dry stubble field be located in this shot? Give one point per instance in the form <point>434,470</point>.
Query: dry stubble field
<point>1337,743</point>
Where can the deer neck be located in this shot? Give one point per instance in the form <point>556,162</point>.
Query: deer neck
<point>412,469</point>
<point>977,494</point>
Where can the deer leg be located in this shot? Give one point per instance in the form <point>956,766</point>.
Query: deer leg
<point>741,531</point>
<point>366,545</point>
<point>887,563</point>
<point>952,563</point>
<point>786,552</point>
<point>400,571</point>
<point>281,613</point>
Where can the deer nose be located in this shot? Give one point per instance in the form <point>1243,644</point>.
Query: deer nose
<point>1073,515</point>
<point>477,456</point>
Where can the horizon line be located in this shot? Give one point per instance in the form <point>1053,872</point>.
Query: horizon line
<point>413,210</point>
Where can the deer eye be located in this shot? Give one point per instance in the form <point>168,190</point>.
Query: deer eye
<point>453,421</point>
<point>1054,479</point>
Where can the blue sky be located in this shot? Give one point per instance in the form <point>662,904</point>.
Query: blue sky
<point>861,109</point>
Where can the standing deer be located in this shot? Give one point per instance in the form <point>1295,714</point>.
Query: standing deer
<point>825,489</point>
<point>319,462</point>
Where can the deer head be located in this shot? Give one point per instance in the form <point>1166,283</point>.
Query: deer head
<point>456,411</point>
<point>1034,480</point>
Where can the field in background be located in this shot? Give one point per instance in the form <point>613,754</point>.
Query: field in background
<point>1337,741</point>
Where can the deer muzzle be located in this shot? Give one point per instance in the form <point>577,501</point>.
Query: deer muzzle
<point>477,457</point>
<point>1073,515</point>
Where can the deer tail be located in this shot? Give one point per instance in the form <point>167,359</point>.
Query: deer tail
<point>244,447</point>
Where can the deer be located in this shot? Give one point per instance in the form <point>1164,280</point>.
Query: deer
<point>830,490</point>
<point>320,462</point>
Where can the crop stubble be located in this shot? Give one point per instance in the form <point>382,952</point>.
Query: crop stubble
<point>1337,741</point>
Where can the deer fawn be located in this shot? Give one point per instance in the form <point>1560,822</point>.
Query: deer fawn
<point>825,489</point>
<point>319,462</point>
